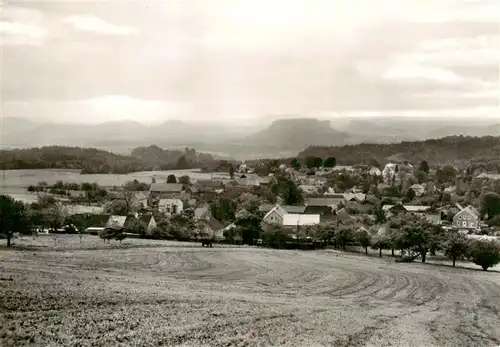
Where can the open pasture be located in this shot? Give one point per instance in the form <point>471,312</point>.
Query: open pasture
<point>154,293</point>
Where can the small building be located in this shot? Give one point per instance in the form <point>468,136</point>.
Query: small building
<point>357,197</point>
<point>275,215</point>
<point>97,222</point>
<point>330,201</point>
<point>400,208</point>
<point>467,219</point>
<point>212,228</point>
<point>170,206</point>
<point>166,190</point>
<point>375,171</point>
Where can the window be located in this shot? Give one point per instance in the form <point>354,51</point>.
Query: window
<point>459,217</point>
<point>471,224</point>
<point>464,224</point>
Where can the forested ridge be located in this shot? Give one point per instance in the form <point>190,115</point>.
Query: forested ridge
<point>91,160</point>
<point>447,150</point>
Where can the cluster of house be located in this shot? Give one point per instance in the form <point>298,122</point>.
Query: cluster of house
<point>319,208</point>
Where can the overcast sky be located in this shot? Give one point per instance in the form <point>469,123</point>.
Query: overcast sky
<point>245,60</point>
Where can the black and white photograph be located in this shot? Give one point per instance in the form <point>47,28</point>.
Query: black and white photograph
<point>250,173</point>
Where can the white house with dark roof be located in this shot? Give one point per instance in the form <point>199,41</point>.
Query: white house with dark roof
<point>275,215</point>
<point>467,219</point>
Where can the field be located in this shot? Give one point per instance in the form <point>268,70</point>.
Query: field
<point>151,293</point>
<point>25,178</point>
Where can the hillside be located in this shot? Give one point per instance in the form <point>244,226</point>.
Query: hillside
<point>296,133</point>
<point>91,160</point>
<point>446,150</point>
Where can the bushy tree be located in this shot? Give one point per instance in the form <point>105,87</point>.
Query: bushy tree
<point>313,162</point>
<point>485,253</point>
<point>424,166</point>
<point>274,236</point>
<point>416,235</point>
<point>381,240</point>
<point>171,179</point>
<point>295,163</point>
<point>135,185</point>
<point>13,218</point>
<point>330,162</point>
<point>185,179</point>
<point>456,246</point>
<point>490,204</point>
<point>223,209</point>
<point>364,238</point>
<point>249,225</point>
<point>249,202</point>
<point>287,190</point>
<point>344,235</point>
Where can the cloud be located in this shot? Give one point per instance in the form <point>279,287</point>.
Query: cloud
<point>227,58</point>
<point>95,24</point>
<point>22,27</point>
<point>419,72</point>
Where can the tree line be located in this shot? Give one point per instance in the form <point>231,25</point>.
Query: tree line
<point>93,161</point>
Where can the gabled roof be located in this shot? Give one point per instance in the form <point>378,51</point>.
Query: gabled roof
<point>278,209</point>
<point>146,218</point>
<point>209,183</point>
<point>288,208</point>
<point>324,201</point>
<point>356,196</point>
<point>98,220</point>
<point>409,208</point>
<point>468,210</point>
<point>166,187</point>
<point>213,223</point>
<point>343,215</point>
<point>294,209</point>
<point>293,219</point>
<point>321,210</point>
<point>116,222</point>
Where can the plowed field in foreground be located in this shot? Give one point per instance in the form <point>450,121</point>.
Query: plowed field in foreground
<point>193,296</point>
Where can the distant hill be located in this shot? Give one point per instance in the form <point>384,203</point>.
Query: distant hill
<point>447,150</point>
<point>91,160</point>
<point>282,138</point>
<point>296,133</point>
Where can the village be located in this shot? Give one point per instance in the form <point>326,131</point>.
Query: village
<point>307,202</point>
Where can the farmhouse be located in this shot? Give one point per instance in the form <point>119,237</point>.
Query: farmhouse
<point>166,190</point>
<point>467,219</point>
<point>170,206</point>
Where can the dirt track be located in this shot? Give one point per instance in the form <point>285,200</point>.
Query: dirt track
<point>242,297</point>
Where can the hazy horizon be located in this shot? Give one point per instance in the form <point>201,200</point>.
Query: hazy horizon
<point>249,61</point>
